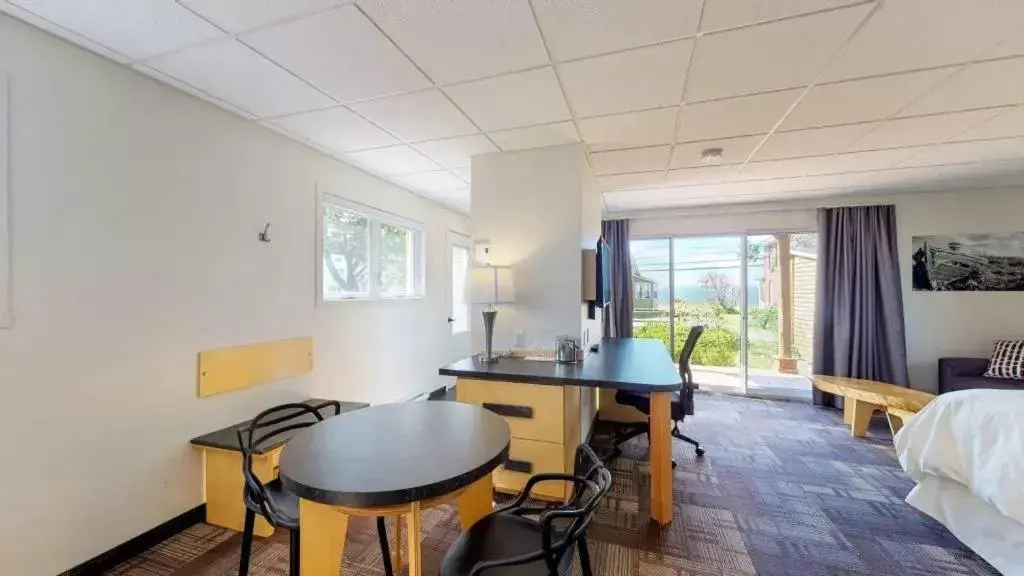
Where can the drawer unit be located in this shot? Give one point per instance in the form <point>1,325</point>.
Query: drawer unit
<point>544,422</point>
<point>529,457</point>
<point>533,411</point>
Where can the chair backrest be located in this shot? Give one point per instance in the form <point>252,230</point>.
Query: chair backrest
<point>266,425</point>
<point>592,480</point>
<point>686,352</point>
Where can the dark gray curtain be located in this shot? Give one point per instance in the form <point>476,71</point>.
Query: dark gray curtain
<point>858,328</point>
<point>618,316</point>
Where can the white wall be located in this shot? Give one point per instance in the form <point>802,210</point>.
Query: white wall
<point>135,210</point>
<point>938,324</point>
<point>527,205</point>
<point>590,221</point>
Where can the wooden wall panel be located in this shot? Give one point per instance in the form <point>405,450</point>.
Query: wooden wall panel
<point>226,369</point>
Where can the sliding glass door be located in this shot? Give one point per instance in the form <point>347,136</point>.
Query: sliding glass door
<point>752,293</point>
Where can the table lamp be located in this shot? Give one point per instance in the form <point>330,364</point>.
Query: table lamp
<point>491,285</point>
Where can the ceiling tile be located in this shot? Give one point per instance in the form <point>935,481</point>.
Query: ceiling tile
<point>981,150</point>
<point>535,136</point>
<point>464,173</point>
<point>351,41</point>
<point>138,29</point>
<point>193,91</point>
<point>242,15</point>
<point>782,54</point>
<point>418,116</point>
<point>702,175</point>
<point>1003,125</point>
<point>632,181</point>
<point>62,32</point>
<point>512,100</point>
<point>743,116</point>
<point>914,34</point>
<point>456,152</point>
<point>734,150</point>
<point>243,78</point>
<point>719,14</point>
<point>812,141</point>
<point>1011,46</point>
<point>995,83</point>
<point>649,77</point>
<point>391,161</point>
<point>336,129</point>
<point>920,130</point>
<point>590,27</point>
<point>458,199</point>
<point>861,100</point>
<point>629,130</point>
<point>457,40</point>
<point>855,161</point>
<point>633,160</point>
<point>789,168</point>
<point>436,181</point>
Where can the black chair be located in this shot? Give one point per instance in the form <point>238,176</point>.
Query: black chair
<point>271,501</point>
<point>507,543</point>
<point>682,401</point>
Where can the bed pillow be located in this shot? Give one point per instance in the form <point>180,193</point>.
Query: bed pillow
<point>1007,360</point>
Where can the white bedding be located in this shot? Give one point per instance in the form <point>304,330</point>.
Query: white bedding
<point>993,536</point>
<point>974,438</point>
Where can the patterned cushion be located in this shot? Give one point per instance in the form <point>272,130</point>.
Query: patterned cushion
<point>1007,360</point>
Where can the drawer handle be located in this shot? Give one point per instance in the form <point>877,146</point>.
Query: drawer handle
<point>510,410</point>
<point>519,466</point>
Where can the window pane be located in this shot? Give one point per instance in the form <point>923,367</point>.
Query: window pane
<point>460,303</point>
<point>399,270</point>
<point>346,253</point>
<point>650,287</point>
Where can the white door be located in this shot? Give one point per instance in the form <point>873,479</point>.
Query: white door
<point>459,322</point>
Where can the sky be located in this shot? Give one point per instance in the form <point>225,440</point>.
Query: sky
<point>696,257</point>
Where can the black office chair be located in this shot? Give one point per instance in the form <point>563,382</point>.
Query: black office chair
<point>682,401</point>
<point>271,501</point>
<point>506,543</point>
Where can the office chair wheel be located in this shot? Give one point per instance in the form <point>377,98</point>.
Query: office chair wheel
<point>700,452</point>
<point>674,464</point>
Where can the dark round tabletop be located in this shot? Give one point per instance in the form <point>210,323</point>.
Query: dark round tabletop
<point>394,453</point>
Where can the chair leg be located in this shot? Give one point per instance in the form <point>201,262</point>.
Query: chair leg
<point>385,551</point>
<point>585,568</point>
<point>250,523</point>
<point>687,439</point>
<point>293,553</point>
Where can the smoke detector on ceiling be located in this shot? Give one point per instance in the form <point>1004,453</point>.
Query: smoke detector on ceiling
<point>711,156</point>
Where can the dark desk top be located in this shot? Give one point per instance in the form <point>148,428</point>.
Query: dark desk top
<point>636,364</point>
<point>227,438</point>
<point>394,453</point>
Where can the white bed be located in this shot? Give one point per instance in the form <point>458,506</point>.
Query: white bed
<point>966,452</point>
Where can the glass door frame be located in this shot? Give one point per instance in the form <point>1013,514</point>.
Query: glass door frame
<point>744,236</point>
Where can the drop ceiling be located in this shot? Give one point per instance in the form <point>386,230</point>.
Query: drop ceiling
<point>806,98</point>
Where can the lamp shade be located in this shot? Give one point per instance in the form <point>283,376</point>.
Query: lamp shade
<point>492,285</point>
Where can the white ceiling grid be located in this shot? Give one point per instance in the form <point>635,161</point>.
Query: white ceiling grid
<point>807,98</point>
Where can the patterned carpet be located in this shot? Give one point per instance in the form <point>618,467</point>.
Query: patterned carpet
<point>783,490</point>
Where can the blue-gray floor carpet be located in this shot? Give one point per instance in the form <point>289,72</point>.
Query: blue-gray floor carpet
<point>782,491</point>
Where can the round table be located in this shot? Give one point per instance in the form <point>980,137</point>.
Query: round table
<point>390,460</point>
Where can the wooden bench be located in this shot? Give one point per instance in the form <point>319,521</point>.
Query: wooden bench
<point>865,397</point>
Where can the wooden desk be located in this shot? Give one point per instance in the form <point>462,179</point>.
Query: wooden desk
<point>390,460</point>
<point>540,401</point>
<point>222,469</point>
<point>862,398</point>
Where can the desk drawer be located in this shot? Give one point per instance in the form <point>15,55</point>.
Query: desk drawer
<point>529,457</point>
<point>533,412</point>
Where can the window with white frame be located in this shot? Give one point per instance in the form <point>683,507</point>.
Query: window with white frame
<point>368,254</point>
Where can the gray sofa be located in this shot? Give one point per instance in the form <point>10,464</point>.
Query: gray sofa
<point>969,373</point>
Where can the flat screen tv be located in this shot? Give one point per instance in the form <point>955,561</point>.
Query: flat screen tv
<point>604,274</point>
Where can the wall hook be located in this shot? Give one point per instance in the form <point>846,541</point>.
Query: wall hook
<point>265,235</point>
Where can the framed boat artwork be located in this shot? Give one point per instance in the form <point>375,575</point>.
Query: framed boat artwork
<point>969,262</point>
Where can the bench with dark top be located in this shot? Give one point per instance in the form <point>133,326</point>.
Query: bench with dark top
<point>227,438</point>
<point>222,466</point>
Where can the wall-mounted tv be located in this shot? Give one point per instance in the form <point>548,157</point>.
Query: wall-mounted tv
<point>604,274</point>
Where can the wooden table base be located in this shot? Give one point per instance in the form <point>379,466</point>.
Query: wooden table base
<point>322,528</point>
<point>661,457</point>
